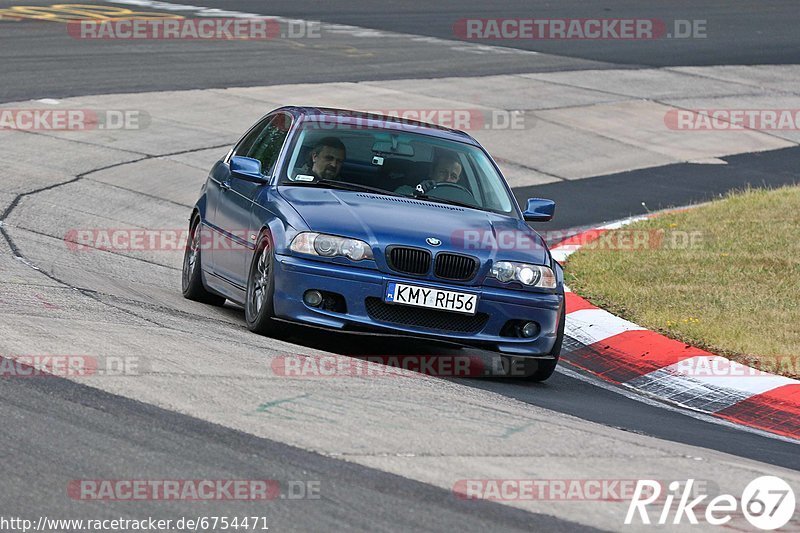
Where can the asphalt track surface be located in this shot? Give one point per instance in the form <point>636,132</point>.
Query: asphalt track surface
<point>56,419</point>
<point>43,61</point>
<point>57,428</point>
<point>738,32</point>
<point>638,192</point>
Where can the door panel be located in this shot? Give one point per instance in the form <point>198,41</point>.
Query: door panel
<point>232,252</point>
<point>218,174</point>
<point>238,232</point>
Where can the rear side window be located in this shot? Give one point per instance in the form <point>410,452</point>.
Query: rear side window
<point>265,141</point>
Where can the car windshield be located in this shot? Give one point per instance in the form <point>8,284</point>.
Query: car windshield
<point>385,160</point>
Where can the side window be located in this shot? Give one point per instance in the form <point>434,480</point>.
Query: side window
<point>266,145</point>
<point>247,142</point>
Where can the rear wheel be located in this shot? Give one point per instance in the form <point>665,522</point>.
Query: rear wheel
<point>191,278</point>
<point>546,367</point>
<point>259,308</point>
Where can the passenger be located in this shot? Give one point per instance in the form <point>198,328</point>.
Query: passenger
<point>446,169</point>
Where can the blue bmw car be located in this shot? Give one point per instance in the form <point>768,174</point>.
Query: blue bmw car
<point>363,222</point>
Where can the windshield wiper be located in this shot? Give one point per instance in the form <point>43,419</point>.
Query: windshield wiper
<point>356,187</point>
<point>438,200</point>
<point>345,186</point>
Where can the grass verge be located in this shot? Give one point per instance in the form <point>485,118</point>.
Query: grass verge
<point>724,276</point>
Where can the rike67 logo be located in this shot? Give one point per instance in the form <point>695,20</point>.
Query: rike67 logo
<point>768,503</point>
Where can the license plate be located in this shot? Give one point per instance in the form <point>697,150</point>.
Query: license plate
<point>458,302</point>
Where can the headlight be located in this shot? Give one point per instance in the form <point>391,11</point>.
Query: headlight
<point>503,271</point>
<point>528,275</point>
<point>324,245</point>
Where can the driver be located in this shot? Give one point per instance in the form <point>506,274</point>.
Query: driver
<point>326,161</point>
<point>446,169</point>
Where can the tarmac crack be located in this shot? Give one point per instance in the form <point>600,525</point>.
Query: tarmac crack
<point>103,250</point>
<point>754,130</point>
<point>657,101</point>
<point>146,195</point>
<point>528,168</point>
<point>17,253</point>
<point>411,455</point>
<point>743,84</point>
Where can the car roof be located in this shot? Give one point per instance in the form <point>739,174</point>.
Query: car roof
<point>360,118</point>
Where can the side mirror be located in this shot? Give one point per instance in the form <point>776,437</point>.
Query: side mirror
<point>539,210</point>
<point>247,168</point>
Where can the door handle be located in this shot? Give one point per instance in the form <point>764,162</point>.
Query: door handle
<point>225,186</point>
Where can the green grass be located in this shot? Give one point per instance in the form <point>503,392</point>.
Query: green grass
<point>735,292</point>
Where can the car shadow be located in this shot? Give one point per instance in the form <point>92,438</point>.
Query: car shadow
<point>472,367</point>
<point>467,365</point>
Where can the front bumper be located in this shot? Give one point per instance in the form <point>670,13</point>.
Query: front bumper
<point>295,275</point>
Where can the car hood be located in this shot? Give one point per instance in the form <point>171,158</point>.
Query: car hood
<point>390,220</point>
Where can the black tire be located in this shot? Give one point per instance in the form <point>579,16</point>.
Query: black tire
<point>546,367</point>
<point>191,277</point>
<point>259,308</point>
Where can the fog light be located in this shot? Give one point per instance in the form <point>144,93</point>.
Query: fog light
<point>312,298</point>
<point>530,329</point>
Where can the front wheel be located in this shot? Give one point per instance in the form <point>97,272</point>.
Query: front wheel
<point>191,276</point>
<point>259,309</point>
